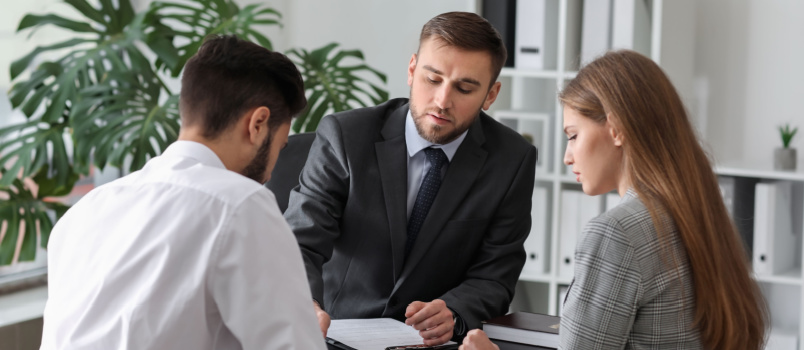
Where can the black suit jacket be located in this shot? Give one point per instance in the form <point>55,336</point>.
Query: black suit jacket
<point>349,214</point>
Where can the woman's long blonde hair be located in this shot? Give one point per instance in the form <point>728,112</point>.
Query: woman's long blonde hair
<point>672,175</point>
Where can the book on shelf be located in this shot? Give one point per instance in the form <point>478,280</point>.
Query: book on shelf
<point>537,244</point>
<point>774,241</point>
<point>525,328</point>
<point>577,209</point>
<point>530,34</point>
<point>595,29</point>
<point>629,20</point>
<point>739,197</point>
<point>502,16</point>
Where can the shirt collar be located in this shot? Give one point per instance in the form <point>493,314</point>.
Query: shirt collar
<point>416,142</point>
<point>195,150</point>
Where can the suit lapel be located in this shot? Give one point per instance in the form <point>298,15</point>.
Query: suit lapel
<point>392,160</point>
<point>461,174</point>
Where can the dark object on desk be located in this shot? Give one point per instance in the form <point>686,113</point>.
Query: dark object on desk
<point>288,167</point>
<point>423,347</point>
<point>505,345</point>
<point>525,328</point>
<point>333,344</point>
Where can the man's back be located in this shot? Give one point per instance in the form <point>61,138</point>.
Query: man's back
<point>182,254</point>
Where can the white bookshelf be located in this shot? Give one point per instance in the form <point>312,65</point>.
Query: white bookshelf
<point>534,92</point>
<point>529,92</point>
<point>782,289</point>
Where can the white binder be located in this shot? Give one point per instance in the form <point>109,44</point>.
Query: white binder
<point>568,232</point>
<point>630,26</point>
<point>530,34</point>
<point>595,29</point>
<point>577,209</point>
<point>537,244</point>
<point>774,241</point>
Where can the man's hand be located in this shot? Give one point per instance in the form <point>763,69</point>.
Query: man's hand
<point>433,320</point>
<point>477,340</point>
<point>323,318</point>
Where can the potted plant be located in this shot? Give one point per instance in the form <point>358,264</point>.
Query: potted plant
<point>100,99</point>
<point>784,158</point>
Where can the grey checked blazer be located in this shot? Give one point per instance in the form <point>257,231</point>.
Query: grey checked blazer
<point>626,294</point>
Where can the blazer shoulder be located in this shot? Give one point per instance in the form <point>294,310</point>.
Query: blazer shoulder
<point>632,220</point>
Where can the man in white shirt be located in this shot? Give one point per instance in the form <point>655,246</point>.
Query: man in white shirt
<point>191,252</point>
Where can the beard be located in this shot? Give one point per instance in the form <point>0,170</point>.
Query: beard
<point>255,169</point>
<point>438,134</point>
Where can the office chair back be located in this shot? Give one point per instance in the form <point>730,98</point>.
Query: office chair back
<point>289,165</point>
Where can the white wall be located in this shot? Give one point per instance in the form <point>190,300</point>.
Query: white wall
<point>748,64</point>
<point>750,54</point>
<point>387,31</point>
<point>14,46</point>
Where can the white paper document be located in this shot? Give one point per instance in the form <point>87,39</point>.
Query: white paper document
<point>373,333</point>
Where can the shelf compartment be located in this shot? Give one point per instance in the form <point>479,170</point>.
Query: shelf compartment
<point>791,277</point>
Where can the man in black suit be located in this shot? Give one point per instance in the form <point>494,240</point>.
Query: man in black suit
<point>418,210</point>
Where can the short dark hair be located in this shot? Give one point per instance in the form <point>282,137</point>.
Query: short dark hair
<point>468,31</point>
<point>230,76</point>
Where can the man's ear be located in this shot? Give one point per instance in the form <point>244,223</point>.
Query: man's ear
<point>411,69</point>
<point>614,130</point>
<point>491,96</point>
<point>258,124</point>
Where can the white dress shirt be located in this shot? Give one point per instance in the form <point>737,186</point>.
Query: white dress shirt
<point>417,160</point>
<point>182,254</point>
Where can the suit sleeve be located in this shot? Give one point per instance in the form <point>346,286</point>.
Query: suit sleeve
<point>489,284</point>
<point>257,281</point>
<point>602,303</point>
<point>316,205</point>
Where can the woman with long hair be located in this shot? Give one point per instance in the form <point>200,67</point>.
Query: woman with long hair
<point>665,268</point>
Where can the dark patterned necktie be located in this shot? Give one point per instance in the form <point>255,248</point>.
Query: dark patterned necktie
<point>426,195</point>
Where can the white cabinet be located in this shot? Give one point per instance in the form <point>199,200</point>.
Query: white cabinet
<point>528,103</point>
<point>768,208</point>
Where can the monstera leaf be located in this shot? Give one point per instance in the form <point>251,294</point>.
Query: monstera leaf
<point>123,118</point>
<point>192,21</point>
<point>99,98</point>
<point>25,217</point>
<point>332,87</point>
<point>106,42</point>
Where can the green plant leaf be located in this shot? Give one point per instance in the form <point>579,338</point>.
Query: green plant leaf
<point>332,87</point>
<point>20,64</point>
<point>24,214</point>
<point>115,121</point>
<point>87,10</point>
<point>50,186</point>
<point>31,21</point>
<point>787,134</point>
<point>201,18</point>
<point>101,94</point>
<point>22,143</point>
